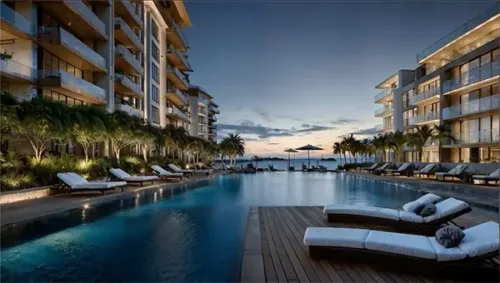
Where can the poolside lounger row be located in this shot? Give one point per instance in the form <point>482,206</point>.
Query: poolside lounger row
<point>117,173</point>
<point>411,252</point>
<point>401,220</point>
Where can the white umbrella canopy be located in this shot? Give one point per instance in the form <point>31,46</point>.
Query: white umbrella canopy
<point>309,147</point>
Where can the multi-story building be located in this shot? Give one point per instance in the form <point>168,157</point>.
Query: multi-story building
<point>386,98</point>
<point>456,85</point>
<point>202,110</point>
<point>126,55</point>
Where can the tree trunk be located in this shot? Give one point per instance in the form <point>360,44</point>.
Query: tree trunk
<point>85,152</point>
<point>145,153</point>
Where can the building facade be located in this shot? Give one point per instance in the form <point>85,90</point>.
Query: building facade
<point>125,55</point>
<point>455,85</point>
<point>202,111</point>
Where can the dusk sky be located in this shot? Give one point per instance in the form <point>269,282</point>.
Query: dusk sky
<point>288,73</point>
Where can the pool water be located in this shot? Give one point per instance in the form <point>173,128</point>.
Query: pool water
<point>196,235</point>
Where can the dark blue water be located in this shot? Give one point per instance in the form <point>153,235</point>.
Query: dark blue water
<point>193,236</point>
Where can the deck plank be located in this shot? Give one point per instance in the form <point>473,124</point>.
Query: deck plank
<point>286,258</point>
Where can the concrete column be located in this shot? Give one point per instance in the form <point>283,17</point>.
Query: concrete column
<point>163,76</point>
<point>147,65</point>
<point>106,50</point>
<point>193,107</point>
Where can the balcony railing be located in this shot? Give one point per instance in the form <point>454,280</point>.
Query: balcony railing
<point>473,106</point>
<point>129,58</point>
<point>475,137</point>
<point>382,110</point>
<point>173,111</point>
<point>181,96</point>
<point>184,62</point>
<point>130,9</point>
<point>129,109</point>
<point>424,95</point>
<point>87,14</point>
<point>475,75</point>
<point>16,20</point>
<point>384,93</point>
<point>214,109</point>
<point>59,36</point>
<point>422,118</point>
<point>178,74</point>
<point>72,83</point>
<point>131,39</point>
<point>17,70</point>
<point>173,27</point>
<point>458,32</point>
<point>133,87</point>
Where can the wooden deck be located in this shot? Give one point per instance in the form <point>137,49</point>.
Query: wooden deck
<point>285,258</point>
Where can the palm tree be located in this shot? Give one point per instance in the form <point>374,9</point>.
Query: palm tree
<point>397,140</point>
<point>234,146</point>
<point>337,149</point>
<point>379,145</point>
<point>356,147</point>
<point>419,138</point>
<point>256,158</point>
<point>443,133</point>
<point>367,149</point>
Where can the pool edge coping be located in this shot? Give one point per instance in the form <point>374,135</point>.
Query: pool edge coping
<point>252,263</point>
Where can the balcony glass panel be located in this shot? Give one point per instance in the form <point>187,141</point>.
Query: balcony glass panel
<point>15,19</point>
<point>74,84</point>
<point>174,27</point>
<point>177,112</point>
<point>382,94</point>
<point>473,106</point>
<point>87,14</point>
<point>424,118</point>
<point>475,75</point>
<point>382,110</point>
<point>17,69</point>
<point>483,136</point>
<point>424,95</point>
<point>130,58</point>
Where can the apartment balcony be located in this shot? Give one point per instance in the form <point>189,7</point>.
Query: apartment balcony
<point>126,35</point>
<point>213,109</point>
<point>212,118</point>
<point>125,60</point>
<point>71,85</point>
<point>176,37</point>
<point>477,27</point>
<point>15,72</point>
<point>475,138</point>
<point>13,23</point>
<point>126,86</point>
<point>384,96</point>
<point>129,110</point>
<point>177,78</point>
<point>178,59</point>
<point>474,78</point>
<point>126,10</point>
<point>82,19</point>
<point>177,96</point>
<point>477,106</point>
<point>384,111</point>
<point>212,127</point>
<point>428,96</point>
<point>426,118</point>
<point>63,44</point>
<point>177,114</point>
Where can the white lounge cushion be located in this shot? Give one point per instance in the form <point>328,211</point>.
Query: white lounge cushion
<point>140,178</point>
<point>410,217</point>
<point>444,254</point>
<point>202,171</point>
<point>425,199</point>
<point>99,185</point>
<point>350,209</point>
<point>68,179</point>
<point>446,208</point>
<point>164,172</point>
<point>387,213</point>
<point>335,237</point>
<point>403,244</point>
<point>481,239</point>
<point>178,170</point>
<point>119,173</point>
<point>404,166</point>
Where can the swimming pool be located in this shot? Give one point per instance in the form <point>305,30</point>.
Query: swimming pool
<point>196,235</point>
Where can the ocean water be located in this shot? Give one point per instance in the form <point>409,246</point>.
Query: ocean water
<point>194,236</point>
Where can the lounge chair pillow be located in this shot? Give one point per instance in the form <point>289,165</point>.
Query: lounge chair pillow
<point>428,210</point>
<point>449,236</point>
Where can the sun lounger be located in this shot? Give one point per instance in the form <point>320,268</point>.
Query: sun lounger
<point>76,182</point>
<point>427,170</point>
<point>179,170</point>
<point>369,169</point>
<point>166,174</point>
<point>457,172</point>
<point>410,252</point>
<point>117,173</point>
<point>381,169</point>
<point>400,220</point>
<point>404,169</point>
<point>493,177</point>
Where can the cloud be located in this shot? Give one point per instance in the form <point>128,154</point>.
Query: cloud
<point>263,132</point>
<point>365,132</point>
<point>313,128</point>
<point>343,121</point>
<point>296,119</point>
<point>273,143</point>
<point>264,115</point>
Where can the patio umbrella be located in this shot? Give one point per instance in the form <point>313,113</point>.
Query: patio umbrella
<point>309,148</point>
<point>290,150</point>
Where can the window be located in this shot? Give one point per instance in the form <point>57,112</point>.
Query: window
<point>155,30</point>
<point>154,94</point>
<point>53,95</point>
<point>156,52</point>
<point>52,63</point>
<point>156,73</point>
<point>155,115</point>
